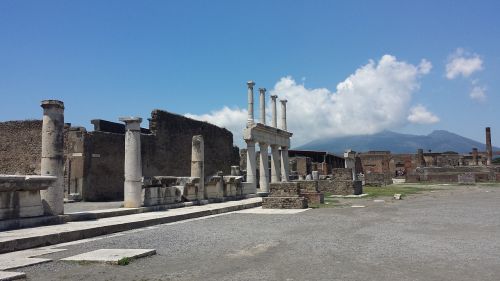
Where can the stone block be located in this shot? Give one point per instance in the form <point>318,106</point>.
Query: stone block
<point>284,203</point>
<point>284,189</point>
<point>466,178</point>
<point>20,204</point>
<point>215,187</point>
<point>248,188</point>
<point>343,174</point>
<point>314,197</point>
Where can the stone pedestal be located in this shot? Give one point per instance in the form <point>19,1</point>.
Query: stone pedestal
<point>52,156</point>
<point>285,195</point>
<point>133,165</point>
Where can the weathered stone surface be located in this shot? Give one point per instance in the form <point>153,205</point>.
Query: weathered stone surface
<point>341,187</point>
<point>314,197</point>
<point>341,174</point>
<point>284,203</point>
<point>284,189</point>
<point>466,178</point>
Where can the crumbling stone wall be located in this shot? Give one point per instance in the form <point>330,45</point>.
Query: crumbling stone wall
<point>20,147</point>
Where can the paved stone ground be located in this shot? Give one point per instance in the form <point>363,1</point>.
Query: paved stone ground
<point>451,234</point>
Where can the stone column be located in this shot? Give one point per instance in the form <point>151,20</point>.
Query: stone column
<point>262,104</point>
<point>283,114</point>
<point>285,169</point>
<point>133,165</point>
<point>235,171</point>
<point>52,156</point>
<point>275,164</point>
<point>263,169</point>
<point>197,164</point>
<point>489,150</point>
<point>475,160</point>
<point>273,111</point>
<point>250,85</point>
<point>251,165</point>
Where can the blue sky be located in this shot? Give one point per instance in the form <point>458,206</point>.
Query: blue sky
<point>107,59</point>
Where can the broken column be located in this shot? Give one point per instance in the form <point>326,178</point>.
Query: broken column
<point>197,165</point>
<point>489,151</point>
<point>250,85</point>
<point>263,169</point>
<point>475,160</point>
<point>133,165</point>
<point>350,162</point>
<point>273,111</point>
<point>262,104</point>
<point>285,165</point>
<point>52,163</point>
<point>283,114</point>
<point>275,164</point>
<point>251,165</point>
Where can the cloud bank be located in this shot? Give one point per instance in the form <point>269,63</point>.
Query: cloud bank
<point>374,98</point>
<point>462,63</point>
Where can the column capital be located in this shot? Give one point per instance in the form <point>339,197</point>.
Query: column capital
<point>273,97</point>
<point>45,104</point>
<point>262,90</point>
<point>283,101</point>
<point>132,123</point>
<point>250,84</point>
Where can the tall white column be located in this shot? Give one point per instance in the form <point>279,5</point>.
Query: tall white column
<point>251,165</point>
<point>52,156</point>
<point>275,164</point>
<point>285,166</point>
<point>283,114</point>
<point>273,108</point>
<point>250,85</point>
<point>197,165</point>
<point>264,168</point>
<point>262,104</point>
<point>133,165</point>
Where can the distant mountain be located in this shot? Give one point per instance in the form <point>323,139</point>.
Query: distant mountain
<point>437,141</point>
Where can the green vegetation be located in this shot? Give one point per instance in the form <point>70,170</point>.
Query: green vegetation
<point>124,261</point>
<point>390,190</point>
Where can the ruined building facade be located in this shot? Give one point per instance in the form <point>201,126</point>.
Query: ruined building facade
<point>94,160</point>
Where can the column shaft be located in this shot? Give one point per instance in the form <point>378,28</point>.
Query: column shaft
<point>198,164</point>
<point>250,85</point>
<point>489,150</point>
<point>283,115</point>
<point>262,104</point>
<point>52,156</point>
<point>251,165</point>
<point>273,111</point>
<point>264,168</point>
<point>133,163</point>
<point>285,166</point>
<point>275,164</point>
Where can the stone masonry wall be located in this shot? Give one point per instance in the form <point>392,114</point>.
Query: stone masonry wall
<point>20,147</point>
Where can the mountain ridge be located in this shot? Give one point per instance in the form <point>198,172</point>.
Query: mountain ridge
<point>436,141</point>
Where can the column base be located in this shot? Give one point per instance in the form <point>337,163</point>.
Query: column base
<point>262,194</point>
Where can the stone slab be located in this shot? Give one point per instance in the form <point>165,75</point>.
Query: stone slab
<point>111,256</point>
<point>7,276</point>
<point>7,264</point>
<point>261,211</point>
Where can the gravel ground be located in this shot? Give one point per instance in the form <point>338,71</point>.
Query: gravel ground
<point>451,234</point>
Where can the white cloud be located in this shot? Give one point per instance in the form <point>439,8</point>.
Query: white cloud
<point>463,63</point>
<point>478,93</point>
<point>420,115</point>
<point>374,98</point>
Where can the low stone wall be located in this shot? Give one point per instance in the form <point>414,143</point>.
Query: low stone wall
<point>451,175</point>
<point>341,187</point>
<point>342,174</point>
<point>378,179</point>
